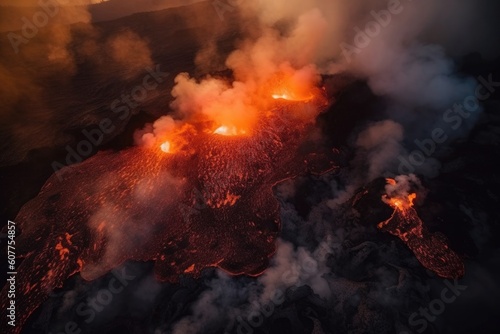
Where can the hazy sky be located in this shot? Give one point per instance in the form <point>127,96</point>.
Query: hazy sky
<point>30,2</point>
<point>87,2</point>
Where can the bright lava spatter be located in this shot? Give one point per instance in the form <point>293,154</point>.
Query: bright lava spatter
<point>430,249</point>
<point>207,204</point>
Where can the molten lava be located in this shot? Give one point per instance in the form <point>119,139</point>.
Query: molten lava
<point>431,249</point>
<point>207,203</point>
<point>229,131</point>
<point>165,147</point>
<point>291,97</point>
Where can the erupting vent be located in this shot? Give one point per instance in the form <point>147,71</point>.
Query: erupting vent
<point>431,249</point>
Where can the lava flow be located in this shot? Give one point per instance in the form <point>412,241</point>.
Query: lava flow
<point>431,249</point>
<point>200,196</point>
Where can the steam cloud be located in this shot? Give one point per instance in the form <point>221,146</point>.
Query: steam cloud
<point>269,61</point>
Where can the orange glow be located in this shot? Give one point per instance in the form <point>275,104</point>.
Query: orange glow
<point>392,182</point>
<point>173,141</point>
<point>401,203</point>
<point>278,96</point>
<point>229,131</point>
<point>165,147</point>
<point>291,85</point>
<point>80,264</point>
<point>431,249</point>
<point>293,97</point>
<point>412,198</point>
<point>63,251</point>
<point>190,269</point>
<point>235,110</point>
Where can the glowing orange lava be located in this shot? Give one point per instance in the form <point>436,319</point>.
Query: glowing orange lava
<point>229,131</point>
<point>401,203</point>
<point>390,181</point>
<point>431,249</point>
<point>292,97</point>
<point>165,147</point>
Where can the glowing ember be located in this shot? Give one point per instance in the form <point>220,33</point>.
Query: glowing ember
<point>392,182</point>
<point>229,131</point>
<point>431,249</point>
<point>282,96</point>
<point>401,203</point>
<point>165,147</point>
<point>294,98</point>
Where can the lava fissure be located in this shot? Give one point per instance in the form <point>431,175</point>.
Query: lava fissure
<point>431,249</point>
